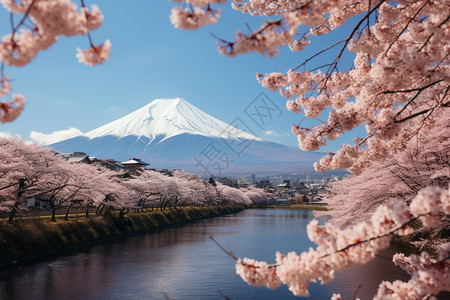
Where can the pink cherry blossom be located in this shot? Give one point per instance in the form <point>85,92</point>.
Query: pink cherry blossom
<point>95,55</point>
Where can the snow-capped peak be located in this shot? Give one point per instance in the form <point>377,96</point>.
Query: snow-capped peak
<point>166,118</point>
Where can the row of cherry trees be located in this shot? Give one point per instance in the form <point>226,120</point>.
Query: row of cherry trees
<point>28,171</point>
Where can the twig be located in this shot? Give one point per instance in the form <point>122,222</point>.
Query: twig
<point>25,16</point>
<point>223,295</point>
<point>87,21</point>
<point>229,252</point>
<point>347,40</point>
<point>412,90</point>
<point>406,26</point>
<point>447,104</point>
<point>356,291</point>
<point>317,54</point>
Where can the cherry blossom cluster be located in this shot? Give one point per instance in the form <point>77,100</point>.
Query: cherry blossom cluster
<point>9,111</point>
<point>266,40</point>
<point>429,276</point>
<point>321,16</point>
<point>424,162</point>
<point>400,73</point>
<point>94,55</point>
<point>198,13</point>
<point>339,249</point>
<point>49,19</point>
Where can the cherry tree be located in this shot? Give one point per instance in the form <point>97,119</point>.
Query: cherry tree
<point>49,20</point>
<point>338,249</point>
<point>148,188</point>
<point>28,171</point>
<point>425,162</point>
<point>397,88</point>
<point>256,195</point>
<point>196,189</point>
<point>88,186</point>
<point>399,72</point>
<point>25,172</point>
<point>232,195</point>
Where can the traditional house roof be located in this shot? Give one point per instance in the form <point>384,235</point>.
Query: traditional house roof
<point>78,157</point>
<point>109,163</point>
<point>283,185</point>
<point>134,162</point>
<point>229,182</point>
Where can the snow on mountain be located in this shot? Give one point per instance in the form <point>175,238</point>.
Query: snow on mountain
<point>166,117</point>
<point>172,133</point>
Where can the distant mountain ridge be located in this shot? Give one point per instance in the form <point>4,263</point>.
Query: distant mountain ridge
<point>172,133</point>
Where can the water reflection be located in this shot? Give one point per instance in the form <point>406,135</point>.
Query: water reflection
<point>184,264</point>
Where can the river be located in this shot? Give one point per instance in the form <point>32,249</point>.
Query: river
<point>183,263</point>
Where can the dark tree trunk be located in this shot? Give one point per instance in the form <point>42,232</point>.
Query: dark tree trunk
<point>17,203</point>
<point>12,215</point>
<point>54,214</point>
<point>66,218</point>
<point>100,209</point>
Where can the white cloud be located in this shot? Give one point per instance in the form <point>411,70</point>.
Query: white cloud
<point>57,136</point>
<point>7,134</point>
<point>270,132</point>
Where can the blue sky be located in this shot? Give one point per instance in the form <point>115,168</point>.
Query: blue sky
<point>151,59</point>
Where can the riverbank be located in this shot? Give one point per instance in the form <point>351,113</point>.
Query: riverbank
<point>294,206</point>
<point>27,240</point>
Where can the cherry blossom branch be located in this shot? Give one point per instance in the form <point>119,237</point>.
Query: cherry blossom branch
<point>446,104</point>
<point>344,249</point>
<point>229,252</point>
<point>317,54</point>
<point>22,21</point>
<point>320,264</point>
<point>347,40</point>
<point>87,21</point>
<point>419,90</point>
<point>406,26</point>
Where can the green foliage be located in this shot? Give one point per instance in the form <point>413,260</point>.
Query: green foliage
<point>212,182</point>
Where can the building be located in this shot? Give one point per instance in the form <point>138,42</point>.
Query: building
<point>265,183</point>
<point>229,182</point>
<point>40,202</point>
<point>282,201</point>
<point>77,157</point>
<point>253,180</point>
<point>108,163</point>
<point>134,163</point>
<point>287,181</point>
<point>282,187</point>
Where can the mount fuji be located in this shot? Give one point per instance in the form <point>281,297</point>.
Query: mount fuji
<point>172,133</point>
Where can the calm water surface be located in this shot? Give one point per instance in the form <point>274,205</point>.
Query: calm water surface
<point>183,263</point>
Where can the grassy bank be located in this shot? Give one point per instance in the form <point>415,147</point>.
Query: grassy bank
<point>29,239</point>
<point>294,206</point>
